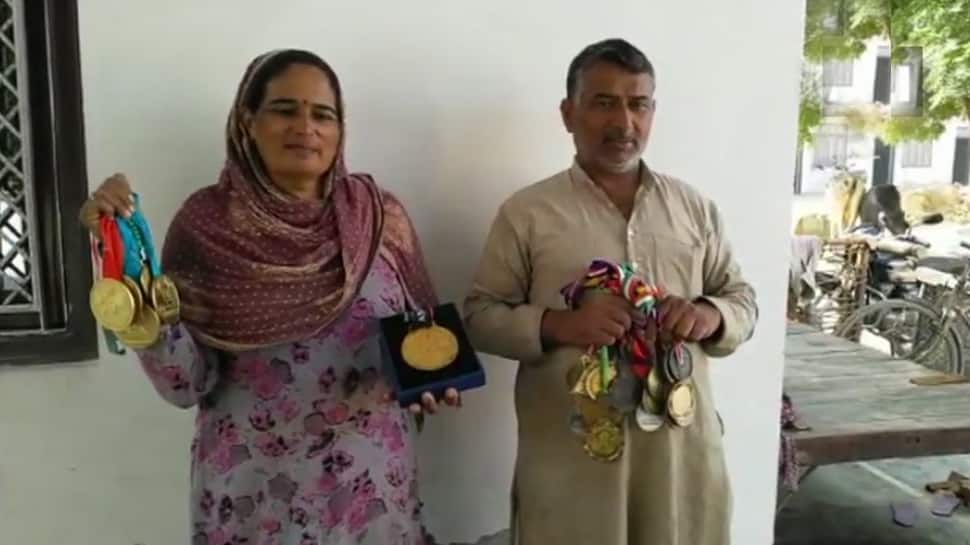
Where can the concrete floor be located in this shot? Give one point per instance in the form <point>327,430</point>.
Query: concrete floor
<point>850,504</point>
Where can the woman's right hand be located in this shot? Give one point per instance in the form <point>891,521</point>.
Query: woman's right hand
<point>112,198</point>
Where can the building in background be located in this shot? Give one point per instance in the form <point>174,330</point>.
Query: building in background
<point>868,82</point>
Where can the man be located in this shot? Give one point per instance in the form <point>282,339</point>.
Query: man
<point>670,486</point>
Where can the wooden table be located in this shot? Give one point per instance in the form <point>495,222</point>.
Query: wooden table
<point>861,405</point>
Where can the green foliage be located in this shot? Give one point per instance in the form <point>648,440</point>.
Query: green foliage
<point>809,118</point>
<point>839,29</point>
<point>898,129</point>
<point>941,29</point>
<point>938,29</point>
<point>810,109</point>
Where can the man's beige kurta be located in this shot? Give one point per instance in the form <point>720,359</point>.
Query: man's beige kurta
<point>671,486</point>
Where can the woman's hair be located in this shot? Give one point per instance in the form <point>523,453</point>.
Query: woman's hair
<point>277,65</point>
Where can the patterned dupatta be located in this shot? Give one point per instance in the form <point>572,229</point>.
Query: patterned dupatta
<point>256,267</point>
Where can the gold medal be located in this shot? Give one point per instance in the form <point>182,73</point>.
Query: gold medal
<point>651,404</point>
<point>681,403</point>
<point>573,375</point>
<point>590,382</point>
<point>576,376</point>
<point>145,279</point>
<point>429,348</point>
<point>112,304</point>
<point>165,298</point>
<point>604,441</point>
<point>654,405</point>
<point>136,293</point>
<point>144,332</point>
<point>655,385</point>
<point>593,382</point>
<point>591,411</point>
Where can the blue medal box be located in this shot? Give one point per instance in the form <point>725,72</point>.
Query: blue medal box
<point>464,373</point>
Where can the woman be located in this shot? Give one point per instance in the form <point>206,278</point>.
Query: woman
<point>283,268</point>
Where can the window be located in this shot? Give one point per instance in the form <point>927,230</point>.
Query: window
<point>832,22</point>
<point>882,87</point>
<point>837,74</point>
<point>907,84</point>
<point>917,155</point>
<point>902,81</point>
<point>45,271</point>
<point>831,147</point>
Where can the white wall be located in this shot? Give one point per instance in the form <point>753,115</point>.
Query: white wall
<point>860,150</point>
<point>453,107</point>
<point>940,170</point>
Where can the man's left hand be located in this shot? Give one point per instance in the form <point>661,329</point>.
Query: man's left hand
<point>690,321</point>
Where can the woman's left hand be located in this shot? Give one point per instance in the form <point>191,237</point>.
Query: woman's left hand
<point>428,403</point>
<point>430,406</point>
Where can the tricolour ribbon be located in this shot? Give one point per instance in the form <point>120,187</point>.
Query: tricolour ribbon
<point>621,280</point>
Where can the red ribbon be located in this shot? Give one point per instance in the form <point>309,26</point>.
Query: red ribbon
<point>113,251</point>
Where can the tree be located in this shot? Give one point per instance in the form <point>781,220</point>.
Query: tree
<point>810,109</point>
<point>839,29</point>
<point>939,29</point>
<point>835,30</point>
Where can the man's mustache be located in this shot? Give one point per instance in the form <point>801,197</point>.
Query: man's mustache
<point>618,136</point>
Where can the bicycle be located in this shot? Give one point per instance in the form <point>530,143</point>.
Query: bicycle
<point>853,269</point>
<point>930,323</point>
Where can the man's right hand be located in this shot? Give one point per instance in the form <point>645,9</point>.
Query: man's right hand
<point>599,321</point>
<point>113,197</point>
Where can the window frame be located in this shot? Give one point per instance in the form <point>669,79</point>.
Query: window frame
<point>914,152</point>
<point>62,253</point>
<point>838,74</point>
<point>914,63</point>
<point>840,138</point>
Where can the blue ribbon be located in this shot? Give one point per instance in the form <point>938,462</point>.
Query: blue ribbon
<point>141,223</point>
<point>133,249</point>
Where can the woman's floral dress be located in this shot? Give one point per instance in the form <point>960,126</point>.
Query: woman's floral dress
<point>294,444</point>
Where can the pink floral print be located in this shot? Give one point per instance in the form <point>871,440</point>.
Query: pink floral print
<point>294,444</point>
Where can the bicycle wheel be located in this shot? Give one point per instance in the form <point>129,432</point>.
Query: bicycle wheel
<point>831,304</point>
<point>913,331</point>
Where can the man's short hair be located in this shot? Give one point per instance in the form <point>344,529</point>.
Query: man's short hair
<point>614,50</point>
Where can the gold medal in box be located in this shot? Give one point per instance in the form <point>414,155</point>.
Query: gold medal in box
<point>428,346</point>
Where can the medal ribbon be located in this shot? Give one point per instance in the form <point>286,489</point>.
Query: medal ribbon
<point>148,242</point>
<point>107,254</point>
<point>134,248</point>
<point>620,280</point>
<point>112,258</point>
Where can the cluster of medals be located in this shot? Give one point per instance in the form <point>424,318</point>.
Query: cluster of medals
<point>646,379</point>
<point>132,298</point>
<point>427,345</point>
